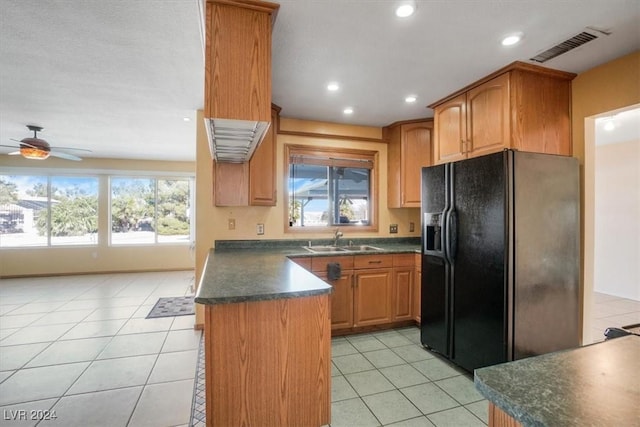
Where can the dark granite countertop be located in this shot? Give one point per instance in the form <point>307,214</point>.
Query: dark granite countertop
<point>255,270</point>
<point>595,385</point>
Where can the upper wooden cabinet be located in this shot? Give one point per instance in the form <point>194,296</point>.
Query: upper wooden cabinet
<point>238,59</point>
<point>409,150</point>
<point>253,183</point>
<point>262,167</point>
<point>522,106</point>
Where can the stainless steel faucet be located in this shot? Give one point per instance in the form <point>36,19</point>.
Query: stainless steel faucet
<point>336,236</point>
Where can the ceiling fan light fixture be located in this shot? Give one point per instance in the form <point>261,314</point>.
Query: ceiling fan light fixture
<point>34,153</point>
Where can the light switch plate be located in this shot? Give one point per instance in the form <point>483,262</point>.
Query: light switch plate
<point>412,227</point>
<point>259,229</point>
<point>232,224</point>
<point>393,228</point>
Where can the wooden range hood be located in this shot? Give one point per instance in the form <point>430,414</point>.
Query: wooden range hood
<point>237,105</point>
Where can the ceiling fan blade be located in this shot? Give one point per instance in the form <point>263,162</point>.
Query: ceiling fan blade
<point>10,146</point>
<point>64,155</point>
<point>70,148</point>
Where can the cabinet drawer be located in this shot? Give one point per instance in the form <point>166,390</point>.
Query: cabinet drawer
<point>319,264</point>
<point>404,260</point>
<point>373,261</point>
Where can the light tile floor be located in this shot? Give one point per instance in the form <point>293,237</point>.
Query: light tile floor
<point>612,311</point>
<point>81,346</point>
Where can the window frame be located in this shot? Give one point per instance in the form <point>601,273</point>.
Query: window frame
<point>348,154</point>
<point>48,177</point>
<point>155,178</point>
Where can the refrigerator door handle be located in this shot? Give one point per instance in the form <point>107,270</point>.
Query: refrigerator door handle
<point>452,236</point>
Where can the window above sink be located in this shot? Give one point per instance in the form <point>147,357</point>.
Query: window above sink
<point>330,187</point>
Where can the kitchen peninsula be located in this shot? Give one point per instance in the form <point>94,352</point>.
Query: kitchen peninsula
<point>267,341</point>
<point>596,385</point>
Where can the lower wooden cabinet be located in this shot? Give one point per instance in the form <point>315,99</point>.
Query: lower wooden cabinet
<point>372,289</point>
<point>403,284</point>
<point>372,297</point>
<point>341,300</point>
<point>417,289</point>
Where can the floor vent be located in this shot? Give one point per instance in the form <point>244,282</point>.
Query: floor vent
<point>569,44</point>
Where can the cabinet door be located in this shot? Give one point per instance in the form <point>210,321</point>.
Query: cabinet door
<point>417,288</point>
<point>262,168</point>
<point>450,129</point>
<point>403,293</point>
<point>341,310</point>
<point>415,153</point>
<point>488,119</point>
<point>372,297</point>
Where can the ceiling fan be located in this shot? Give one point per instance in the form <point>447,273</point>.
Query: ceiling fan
<point>39,149</point>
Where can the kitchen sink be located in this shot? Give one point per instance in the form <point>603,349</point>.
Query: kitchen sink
<point>361,248</point>
<point>324,249</point>
<point>331,249</point>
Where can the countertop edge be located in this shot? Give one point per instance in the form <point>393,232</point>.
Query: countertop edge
<point>262,297</point>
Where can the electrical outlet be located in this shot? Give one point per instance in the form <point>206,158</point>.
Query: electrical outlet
<point>412,227</point>
<point>393,228</point>
<point>232,224</point>
<point>260,229</point>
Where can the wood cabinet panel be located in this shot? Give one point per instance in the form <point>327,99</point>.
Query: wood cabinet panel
<point>254,349</point>
<point>417,290</point>
<point>499,418</point>
<point>450,130</point>
<point>547,129</point>
<point>372,297</point>
<point>238,60</point>
<point>488,119</point>
<point>231,184</point>
<point>409,150</point>
<point>403,281</point>
<point>522,106</point>
<point>262,168</point>
<point>404,260</point>
<point>341,300</point>
<point>319,264</point>
<point>373,261</point>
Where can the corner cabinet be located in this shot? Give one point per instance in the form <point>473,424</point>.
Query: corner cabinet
<point>409,150</point>
<point>522,106</point>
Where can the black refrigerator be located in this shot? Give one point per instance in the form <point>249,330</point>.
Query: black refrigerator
<point>500,257</point>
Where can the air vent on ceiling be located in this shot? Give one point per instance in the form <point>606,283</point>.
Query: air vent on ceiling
<point>578,40</point>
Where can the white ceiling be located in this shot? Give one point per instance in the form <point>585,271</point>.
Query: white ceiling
<point>118,77</point>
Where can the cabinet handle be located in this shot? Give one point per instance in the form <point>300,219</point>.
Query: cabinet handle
<point>375,262</point>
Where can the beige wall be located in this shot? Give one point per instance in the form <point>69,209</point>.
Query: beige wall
<point>211,221</point>
<point>607,87</point>
<point>100,258</point>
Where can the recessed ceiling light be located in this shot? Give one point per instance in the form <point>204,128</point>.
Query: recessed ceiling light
<point>411,98</point>
<point>333,86</point>
<point>348,110</point>
<point>186,119</point>
<point>405,9</point>
<point>511,39</point>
